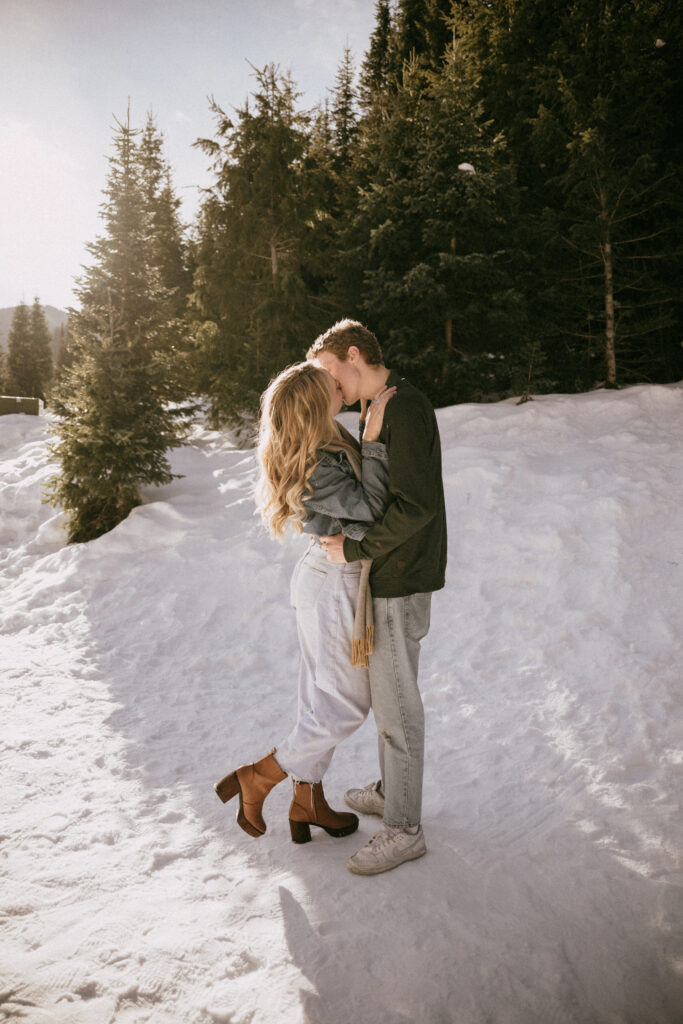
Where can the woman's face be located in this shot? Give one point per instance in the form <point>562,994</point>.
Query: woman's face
<point>336,397</point>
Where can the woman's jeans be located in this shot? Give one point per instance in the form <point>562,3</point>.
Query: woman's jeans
<point>400,625</point>
<point>334,698</point>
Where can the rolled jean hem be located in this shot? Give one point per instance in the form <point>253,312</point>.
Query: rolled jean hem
<point>293,775</point>
<point>403,824</point>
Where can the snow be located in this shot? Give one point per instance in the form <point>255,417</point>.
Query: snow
<point>139,668</point>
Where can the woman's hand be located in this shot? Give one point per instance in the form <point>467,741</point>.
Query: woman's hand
<point>374,416</point>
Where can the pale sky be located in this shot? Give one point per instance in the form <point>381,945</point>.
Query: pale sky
<point>67,67</point>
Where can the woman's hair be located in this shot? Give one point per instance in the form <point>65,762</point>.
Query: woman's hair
<point>296,420</point>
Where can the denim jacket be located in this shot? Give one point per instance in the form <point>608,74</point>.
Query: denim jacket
<point>341,503</point>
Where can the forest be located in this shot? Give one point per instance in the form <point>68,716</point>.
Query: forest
<point>495,190</point>
<point>496,196</point>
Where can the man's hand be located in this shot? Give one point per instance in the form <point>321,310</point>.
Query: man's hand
<point>334,548</point>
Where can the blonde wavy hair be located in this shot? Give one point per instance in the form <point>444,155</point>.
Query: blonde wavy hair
<point>296,420</point>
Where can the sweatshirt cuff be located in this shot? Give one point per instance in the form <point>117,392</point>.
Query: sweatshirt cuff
<point>352,550</point>
<point>355,531</point>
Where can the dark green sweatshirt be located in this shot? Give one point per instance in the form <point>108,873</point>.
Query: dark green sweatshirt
<point>408,545</point>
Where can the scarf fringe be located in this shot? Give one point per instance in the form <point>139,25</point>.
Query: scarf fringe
<point>362,648</point>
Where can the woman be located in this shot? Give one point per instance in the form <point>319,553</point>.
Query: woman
<point>310,478</point>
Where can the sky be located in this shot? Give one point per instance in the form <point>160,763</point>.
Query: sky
<point>69,67</point>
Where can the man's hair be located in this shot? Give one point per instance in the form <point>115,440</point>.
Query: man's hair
<point>341,336</point>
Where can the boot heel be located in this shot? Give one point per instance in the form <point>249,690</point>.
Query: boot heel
<point>301,831</point>
<point>228,787</point>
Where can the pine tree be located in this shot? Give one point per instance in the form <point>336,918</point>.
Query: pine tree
<point>377,65</point>
<point>434,265</point>
<point>251,301</point>
<point>166,242</point>
<point>42,349</point>
<point>167,254</point>
<point>19,357</point>
<point>115,425</point>
<point>613,176</point>
<point>29,355</point>
<point>344,110</point>
<point>588,96</point>
<point>422,32</point>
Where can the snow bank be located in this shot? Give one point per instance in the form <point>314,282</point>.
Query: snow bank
<point>137,669</point>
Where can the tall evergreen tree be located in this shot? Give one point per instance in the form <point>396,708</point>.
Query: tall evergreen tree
<point>166,241</point>
<point>19,356</point>
<point>344,110</point>
<point>42,348</point>
<point>115,425</point>
<point>434,267</point>
<point>613,175</point>
<point>29,355</point>
<point>251,300</point>
<point>589,98</point>
<point>422,32</point>
<point>377,65</point>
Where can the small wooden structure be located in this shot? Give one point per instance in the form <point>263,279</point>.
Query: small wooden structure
<point>9,404</point>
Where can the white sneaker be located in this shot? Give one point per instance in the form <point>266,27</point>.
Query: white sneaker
<point>386,850</point>
<point>369,800</point>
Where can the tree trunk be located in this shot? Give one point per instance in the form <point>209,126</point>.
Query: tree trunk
<point>449,330</point>
<point>610,328</point>
<point>273,258</point>
<point>278,329</point>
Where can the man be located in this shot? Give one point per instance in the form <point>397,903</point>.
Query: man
<point>408,552</point>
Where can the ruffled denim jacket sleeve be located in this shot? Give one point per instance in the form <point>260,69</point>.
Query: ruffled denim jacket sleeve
<point>340,503</point>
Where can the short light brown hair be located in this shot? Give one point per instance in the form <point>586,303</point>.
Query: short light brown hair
<point>339,338</point>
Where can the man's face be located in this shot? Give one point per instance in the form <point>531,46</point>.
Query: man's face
<point>345,372</point>
<point>336,398</point>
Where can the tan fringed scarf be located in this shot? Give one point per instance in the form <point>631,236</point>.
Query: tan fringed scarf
<point>363,623</point>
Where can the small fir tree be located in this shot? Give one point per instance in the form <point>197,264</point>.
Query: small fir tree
<point>19,360</point>
<point>42,349</point>
<point>115,423</point>
<point>29,360</point>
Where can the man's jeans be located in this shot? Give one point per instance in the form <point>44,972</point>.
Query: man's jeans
<point>400,625</point>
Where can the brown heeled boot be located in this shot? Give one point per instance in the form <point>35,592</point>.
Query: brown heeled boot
<point>309,807</point>
<point>253,782</point>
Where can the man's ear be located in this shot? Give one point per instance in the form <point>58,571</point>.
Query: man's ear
<point>353,354</point>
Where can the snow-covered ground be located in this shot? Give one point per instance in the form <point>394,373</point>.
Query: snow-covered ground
<point>139,668</point>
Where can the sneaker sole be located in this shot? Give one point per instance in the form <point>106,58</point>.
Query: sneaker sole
<point>362,810</point>
<point>377,870</point>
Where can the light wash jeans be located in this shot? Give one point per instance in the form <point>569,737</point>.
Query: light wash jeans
<point>400,624</point>
<point>334,698</point>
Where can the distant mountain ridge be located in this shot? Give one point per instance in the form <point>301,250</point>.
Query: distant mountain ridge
<point>55,318</point>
